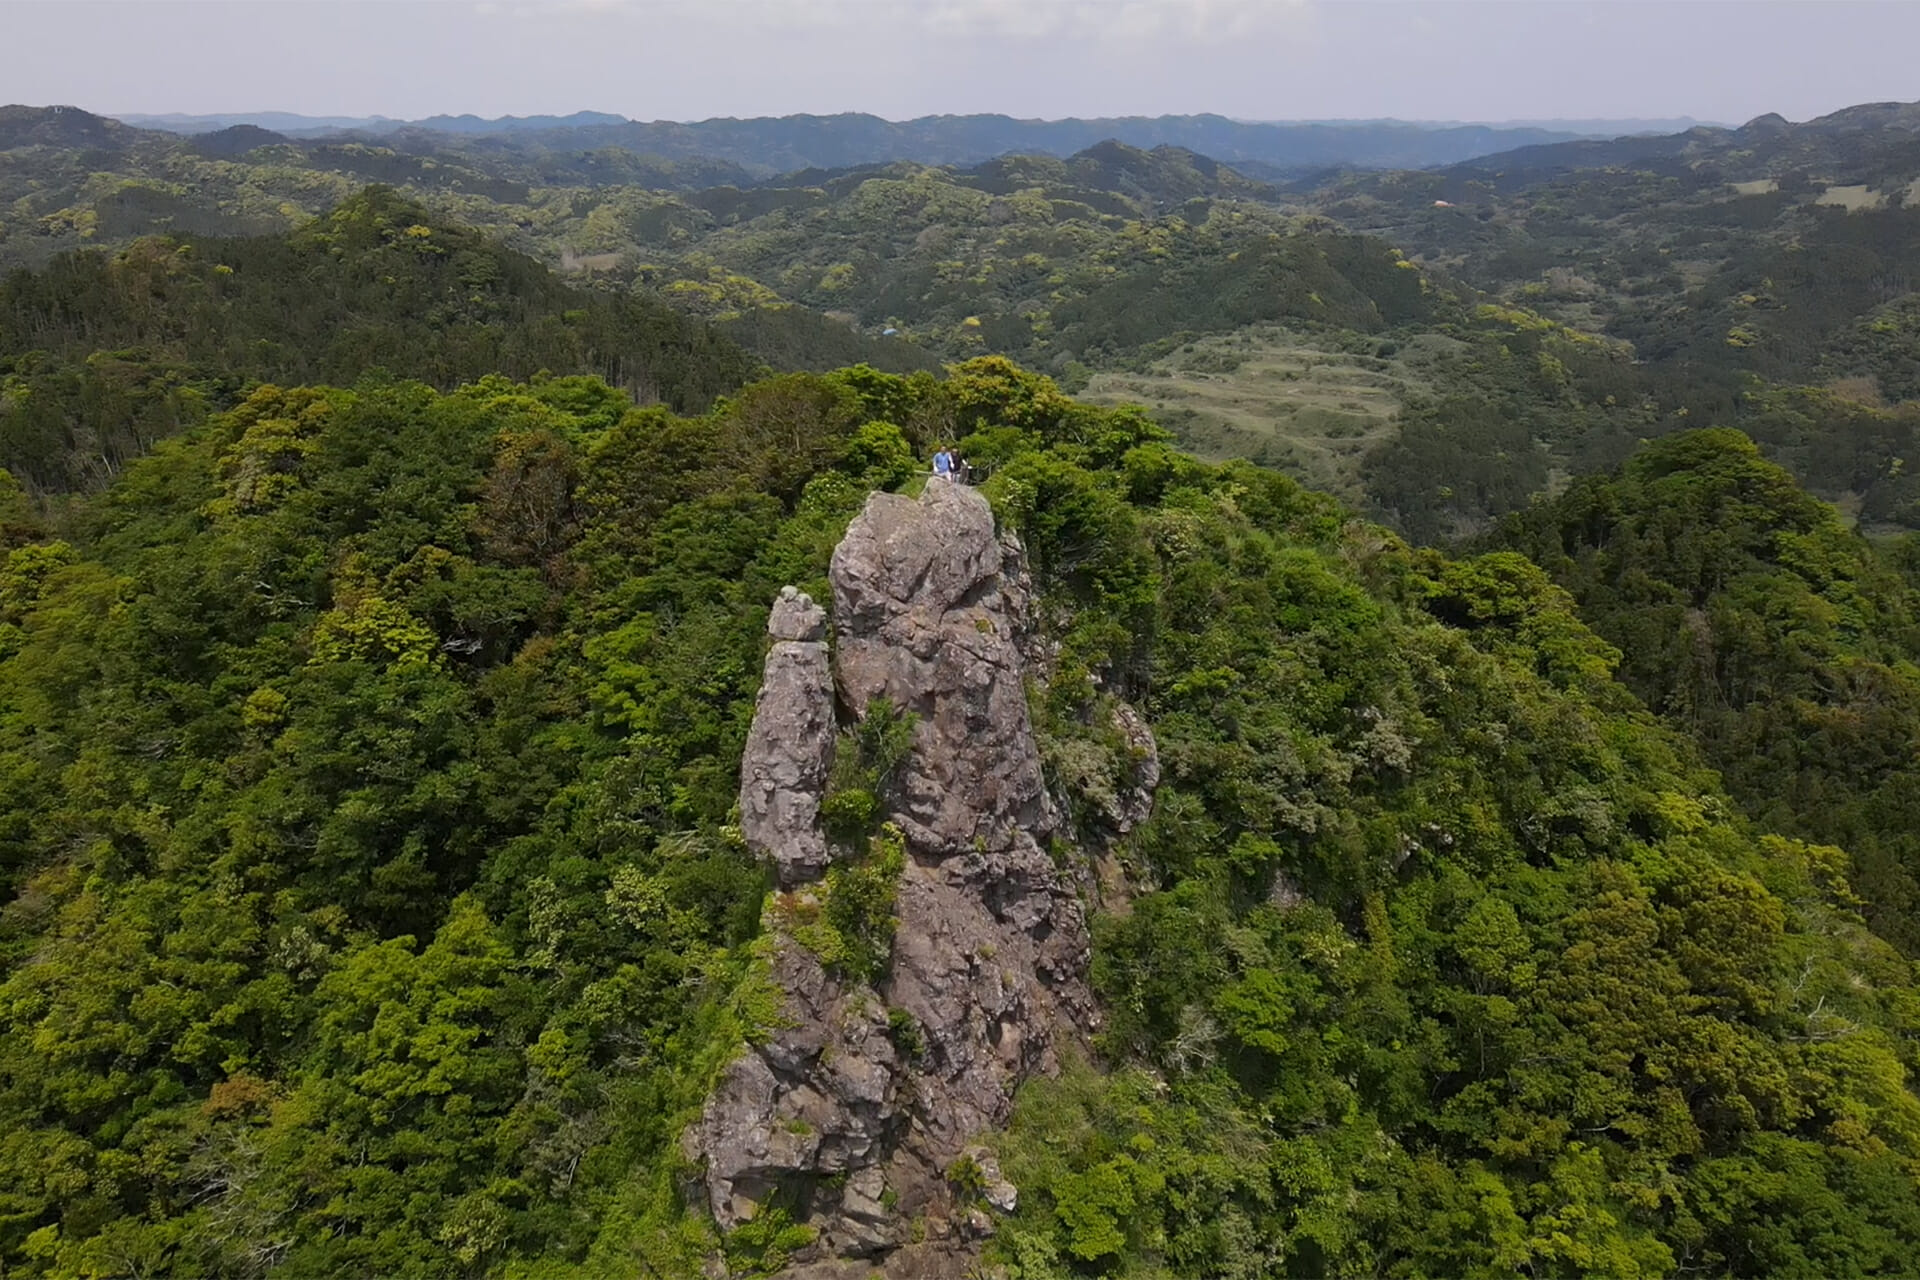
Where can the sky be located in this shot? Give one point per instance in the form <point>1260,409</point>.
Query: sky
<point>1718,60</point>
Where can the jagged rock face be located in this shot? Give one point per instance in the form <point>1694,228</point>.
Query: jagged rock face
<point>1134,804</point>
<point>989,957</point>
<point>819,1099</point>
<point>917,593</point>
<point>783,772</point>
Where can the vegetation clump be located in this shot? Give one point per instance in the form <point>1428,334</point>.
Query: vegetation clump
<point>865,760</point>
<point>765,1243</point>
<point>848,919</point>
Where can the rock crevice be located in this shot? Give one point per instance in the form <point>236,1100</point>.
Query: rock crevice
<point>854,1111</point>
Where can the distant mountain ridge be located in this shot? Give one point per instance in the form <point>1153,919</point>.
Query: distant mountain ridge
<point>1757,147</point>
<point>1602,127</point>
<point>279,121</point>
<point>786,143</point>
<point>60,126</point>
<point>295,124</point>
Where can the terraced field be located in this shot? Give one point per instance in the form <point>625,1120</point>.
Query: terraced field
<point>1313,405</point>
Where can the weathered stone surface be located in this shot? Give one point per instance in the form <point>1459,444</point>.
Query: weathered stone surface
<point>931,611</point>
<point>994,1187</point>
<point>917,598</point>
<point>789,751</point>
<point>820,1098</point>
<point>796,617</point>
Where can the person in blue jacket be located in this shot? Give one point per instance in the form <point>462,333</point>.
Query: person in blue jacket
<point>943,464</point>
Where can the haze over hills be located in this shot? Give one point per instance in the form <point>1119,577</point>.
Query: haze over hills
<point>287,122</point>
<point>786,143</point>
<point>1592,128</point>
<point>293,123</point>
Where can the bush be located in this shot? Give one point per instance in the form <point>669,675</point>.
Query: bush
<point>849,924</point>
<point>864,761</point>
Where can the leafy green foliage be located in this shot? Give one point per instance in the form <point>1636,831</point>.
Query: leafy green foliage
<point>1456,963</point>
<point>763,1245</point>
<point>104,355</point>
<point>367,759</point>
<point>1755,621</point>
<point>903,1029</point>
<point>848,919</point>
<point>865,759</point>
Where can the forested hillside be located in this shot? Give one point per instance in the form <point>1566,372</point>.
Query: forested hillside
<point>102,355</point>
<point>369,761</point>
<point>1060,261</point>
<point>1756,623</point>
<point>1434,346</point>
<point>1112,257</point>
<point>382,617</point>
<point>1764,276</point>
<point>68,177</point>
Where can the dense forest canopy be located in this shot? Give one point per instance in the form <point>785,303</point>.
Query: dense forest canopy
<point>382,617</point>
<point>374,907</point>
<point>102,355</point>
<point>1751,617</point>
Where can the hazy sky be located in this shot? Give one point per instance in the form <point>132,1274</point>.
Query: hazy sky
<point>689,59</point>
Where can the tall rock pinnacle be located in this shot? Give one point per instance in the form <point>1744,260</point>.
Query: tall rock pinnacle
<point>854,1111</point>
<point>790,746</point>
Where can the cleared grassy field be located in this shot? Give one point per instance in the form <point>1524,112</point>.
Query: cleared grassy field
<point>1287,399</point>
<point>1852,199</point>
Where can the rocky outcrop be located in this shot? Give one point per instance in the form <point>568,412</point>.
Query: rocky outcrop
<point>1133,802</point>
<point>783,772</point>
<point>855,1111</point>
<point>917,593</point>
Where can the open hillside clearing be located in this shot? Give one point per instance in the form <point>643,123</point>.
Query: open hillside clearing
<point>1312,405</point>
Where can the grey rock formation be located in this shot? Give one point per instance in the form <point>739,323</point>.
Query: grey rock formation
<point>923,621</point>
<point>994,1187</point>
<point>839,1113</point>
<point>820,1099</point>
<point>790,746</point>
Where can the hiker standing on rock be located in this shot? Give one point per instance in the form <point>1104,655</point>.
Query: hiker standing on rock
<point>943,464</point>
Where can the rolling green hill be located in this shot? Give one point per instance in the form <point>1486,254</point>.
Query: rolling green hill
<point>1725,252</point>
<point>1106,259</point>
<point>105,354</point>
<point>769,145</point>
<point>102,354</point>
<point>382,616</point>
<point>1755,622</point>
<point>1436,346</point>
